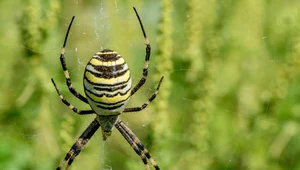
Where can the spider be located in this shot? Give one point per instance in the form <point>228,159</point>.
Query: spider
<point>108,88</point>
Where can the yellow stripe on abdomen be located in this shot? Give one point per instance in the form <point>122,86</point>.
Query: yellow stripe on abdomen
<point>97,62</point>
<point>108,100</point>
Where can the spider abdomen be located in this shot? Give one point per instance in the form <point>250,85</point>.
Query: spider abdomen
<point>107,83</point>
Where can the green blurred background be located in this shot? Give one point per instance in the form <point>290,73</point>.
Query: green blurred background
<point>230,99</point>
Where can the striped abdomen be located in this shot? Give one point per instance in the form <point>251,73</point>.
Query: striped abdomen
<point>107,83</point>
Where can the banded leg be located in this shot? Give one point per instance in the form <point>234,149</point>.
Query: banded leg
<point>147,58</point>
<point>137,109</point>
<point>81,112</point>
<point>64,67</point>
<point>137,142</point>
<point>132,144</point>
<point>80,144</point>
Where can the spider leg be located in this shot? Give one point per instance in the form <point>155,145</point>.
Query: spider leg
<point>81,112</point>
<point>80,144</point>
<point>132,144</point>
<point>147,58</point>
<point>137,109</point>
<point>64,67</point>
<point>134,141</point>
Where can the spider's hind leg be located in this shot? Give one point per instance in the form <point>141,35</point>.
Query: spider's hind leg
<point>64,67</point>
<point>147,57</point>
<point>79,144</point>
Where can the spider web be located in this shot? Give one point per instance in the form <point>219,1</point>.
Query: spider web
<point>97,34</point>
<point>98,28</point>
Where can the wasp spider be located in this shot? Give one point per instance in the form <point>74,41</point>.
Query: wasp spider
<point>108,87</point>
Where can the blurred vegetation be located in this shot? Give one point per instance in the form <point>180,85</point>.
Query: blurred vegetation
<point>230,98</point>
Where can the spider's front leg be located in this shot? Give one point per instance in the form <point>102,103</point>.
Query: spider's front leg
<point>136,144</point>
<point>79,144</point>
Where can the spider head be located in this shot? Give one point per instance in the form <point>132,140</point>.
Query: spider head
<point>105,134</point>
<point>107,123</point>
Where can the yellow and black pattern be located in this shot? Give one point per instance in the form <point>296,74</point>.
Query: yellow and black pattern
<point>107,83</point>
<point>108,87</point>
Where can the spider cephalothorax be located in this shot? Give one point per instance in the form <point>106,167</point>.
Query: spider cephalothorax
<point>108,87</point>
